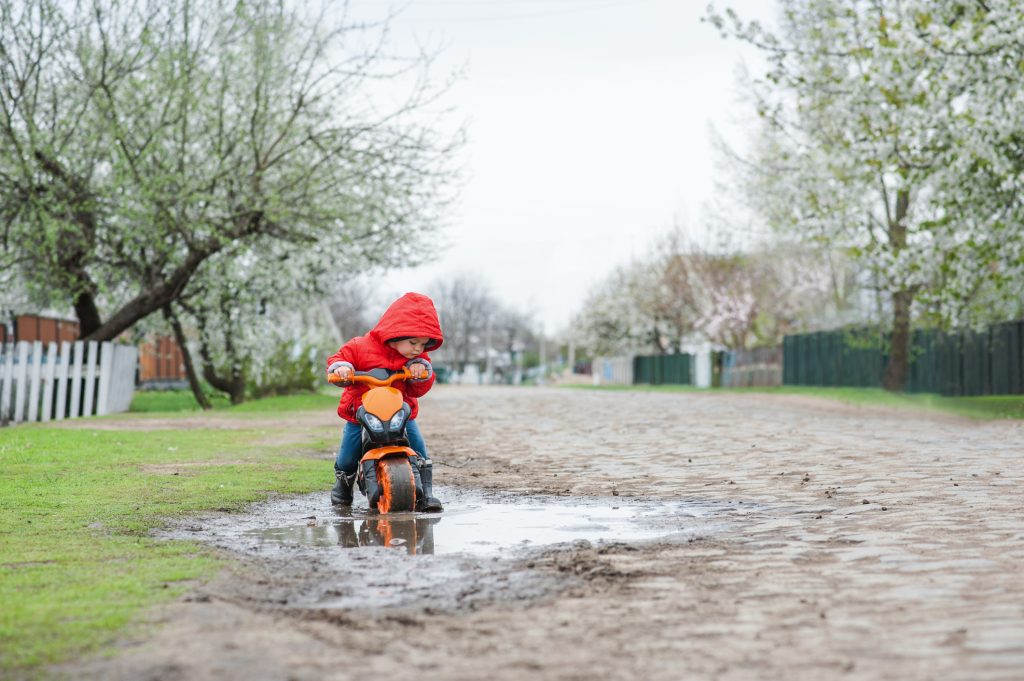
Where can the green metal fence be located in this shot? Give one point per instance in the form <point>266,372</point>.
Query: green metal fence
<point>964,363</point>
<point>663,369</point>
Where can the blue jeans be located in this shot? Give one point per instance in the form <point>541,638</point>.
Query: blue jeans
<point>351,448</point>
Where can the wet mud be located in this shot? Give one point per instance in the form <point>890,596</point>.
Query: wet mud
<point>593,535</point>
<point>475,552</point>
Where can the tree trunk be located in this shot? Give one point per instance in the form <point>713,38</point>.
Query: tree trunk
<point>88,315</point>
<point>190,369</point>
<point>234,384</point>
<point>152,299</point>
<point>896,370</point>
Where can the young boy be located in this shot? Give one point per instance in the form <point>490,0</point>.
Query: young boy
<point>406,330</point>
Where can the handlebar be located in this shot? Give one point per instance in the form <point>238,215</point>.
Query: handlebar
<point>371,378</point>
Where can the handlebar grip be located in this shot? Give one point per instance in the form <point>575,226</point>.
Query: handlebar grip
<point>335,379</point>
<point>366,378</point>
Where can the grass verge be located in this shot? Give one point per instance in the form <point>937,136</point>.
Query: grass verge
<point>76,506</point>
<point>168,401</point>
<point>984,408</point>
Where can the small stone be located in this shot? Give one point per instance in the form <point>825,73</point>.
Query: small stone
<point>615,492</point>
<point>865,501</point>
<point>885,508</point>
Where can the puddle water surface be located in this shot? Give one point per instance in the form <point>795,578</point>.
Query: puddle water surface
<point>324,557</point>
<point>476,525</point>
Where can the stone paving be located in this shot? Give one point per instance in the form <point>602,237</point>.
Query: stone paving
<point>872,543</point>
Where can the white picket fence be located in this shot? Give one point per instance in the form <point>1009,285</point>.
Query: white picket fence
<point>612,371</point>
<point>81,379</point>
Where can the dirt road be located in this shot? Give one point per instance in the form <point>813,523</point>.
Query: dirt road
<point>855,544</point>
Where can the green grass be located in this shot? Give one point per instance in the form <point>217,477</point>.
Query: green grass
<point>147,401</point>
<point>986,408</point>
<point>325,399</point>
<point>151,401</point>
<point>76,506</point>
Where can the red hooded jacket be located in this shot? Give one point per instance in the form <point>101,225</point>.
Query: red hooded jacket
<point>413,315</point>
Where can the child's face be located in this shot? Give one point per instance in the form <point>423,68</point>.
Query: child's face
<point>410,347</point>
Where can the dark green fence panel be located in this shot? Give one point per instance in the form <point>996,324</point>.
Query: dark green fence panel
<point>803,352</point>
<point>663,369</point>
<point>974,369</point>
<point>1007,358</point>
<point>948,363</point>
<point>788,360</point>
<point>640,373</point>
<point>924,365</point>
<point>863,361</point>
<point>958,363</point>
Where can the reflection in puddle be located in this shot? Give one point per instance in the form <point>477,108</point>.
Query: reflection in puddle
<point>486,527</point>
<point>414,534</point>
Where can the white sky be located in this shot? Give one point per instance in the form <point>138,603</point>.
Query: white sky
<point>588,133</point>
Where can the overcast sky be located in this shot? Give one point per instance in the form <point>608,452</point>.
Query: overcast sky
<point>588,134</point>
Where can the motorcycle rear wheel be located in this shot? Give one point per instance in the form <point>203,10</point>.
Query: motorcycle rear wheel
<point>397,485</point>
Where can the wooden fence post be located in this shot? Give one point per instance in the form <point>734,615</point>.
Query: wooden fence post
<point>106,372</point>
<point>88,409</point>
<point>21,374</point>
<point>35,374</point>
<point>6,382</point>
<point>48,378</point>
<point>64,360</point>
<point>76,381</point>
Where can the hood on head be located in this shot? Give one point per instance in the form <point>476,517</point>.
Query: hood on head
<point>411,316</point>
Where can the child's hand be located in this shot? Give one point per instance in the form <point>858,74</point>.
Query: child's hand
<point>342,370</point>
<point>419,368</point>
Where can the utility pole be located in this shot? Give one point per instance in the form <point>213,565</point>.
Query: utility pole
<point>518,349</point>
<point>488,361</point>
<point>541,358</point>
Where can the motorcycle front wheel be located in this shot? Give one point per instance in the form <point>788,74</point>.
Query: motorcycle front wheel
<point>397,485</point>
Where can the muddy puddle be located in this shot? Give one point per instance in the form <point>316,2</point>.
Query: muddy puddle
<point>481,549</point>
<point>482,526</point>
<point>473,524</point>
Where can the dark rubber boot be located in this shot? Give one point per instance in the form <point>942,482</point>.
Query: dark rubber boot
<point>341,493</point>
<point>428,503</point>
<point>370,481</point>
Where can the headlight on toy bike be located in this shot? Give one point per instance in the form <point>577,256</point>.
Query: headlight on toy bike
<point>397,421</point>
<point>373,423</point>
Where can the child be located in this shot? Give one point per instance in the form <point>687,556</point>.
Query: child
<point>406,330</point>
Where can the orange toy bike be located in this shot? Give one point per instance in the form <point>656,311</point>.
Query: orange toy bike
<point>382,416</point>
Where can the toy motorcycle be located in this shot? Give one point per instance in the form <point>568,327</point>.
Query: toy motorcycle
<point>382,416</point>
